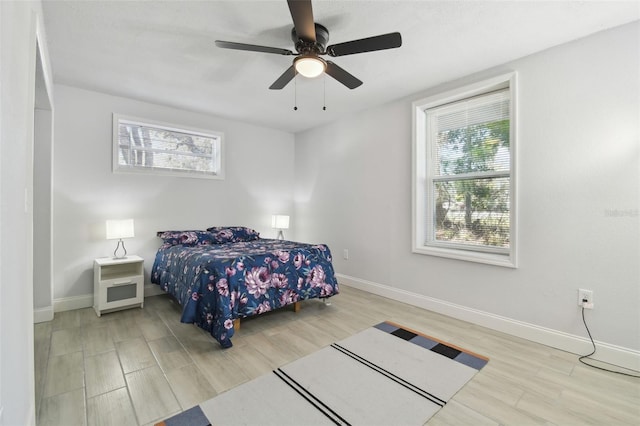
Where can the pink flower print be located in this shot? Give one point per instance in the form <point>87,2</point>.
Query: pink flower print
<point>228,324</point>
<point>298,260</point>
<point>225,234</point>
<point>279,281</point>
<point>210,286</point>
<point>288,297</point>
<point>263,307</point>
<point>316,276</point>
<point>326,290</point>
<point>188,238</point>
<point>233,297</point>
<point>283,256</point>
<point>274,264</point>
<point>300,282</point>
<point>223,287</point>
<point>244,300</point>
<point>239,266</point>
<point>267,260</point>
<point>230,271</point>
<point>257,281</point>
<point>209,318</point>
<point>195,296</point>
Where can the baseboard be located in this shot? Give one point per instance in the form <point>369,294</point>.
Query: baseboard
<point>72,303</point>
<point>612,354</point>
<point>43,314</point>
<point>86,300</point>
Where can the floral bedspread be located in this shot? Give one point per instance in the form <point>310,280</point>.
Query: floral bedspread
<point>218,283</point>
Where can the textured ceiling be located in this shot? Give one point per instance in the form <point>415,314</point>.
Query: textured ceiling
<point>163,51</point>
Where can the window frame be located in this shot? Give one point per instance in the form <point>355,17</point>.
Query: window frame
<point>422,211</point>
<point>218,156</point>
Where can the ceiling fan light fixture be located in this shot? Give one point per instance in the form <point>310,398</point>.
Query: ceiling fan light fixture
<point>309,66</point>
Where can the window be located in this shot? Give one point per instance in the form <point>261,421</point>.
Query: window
<point>145,146</point>
<point>464,181</point>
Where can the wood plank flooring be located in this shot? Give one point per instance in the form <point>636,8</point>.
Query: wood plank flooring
<point>139,366</point>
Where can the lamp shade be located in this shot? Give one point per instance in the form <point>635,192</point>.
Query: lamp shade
<point>280,221</point>
<point>117,229</point>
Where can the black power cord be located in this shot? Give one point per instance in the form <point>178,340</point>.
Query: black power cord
<point>583,357</point>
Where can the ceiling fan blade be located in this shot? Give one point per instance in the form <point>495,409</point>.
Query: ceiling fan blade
<point>284,79</point>
<point>302,15</point>
<point>252,48</point>
<point>369,44</point>
<point>342,76</point>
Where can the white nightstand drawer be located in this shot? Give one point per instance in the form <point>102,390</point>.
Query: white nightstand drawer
<point>117,292</point>
<point>121,292</point>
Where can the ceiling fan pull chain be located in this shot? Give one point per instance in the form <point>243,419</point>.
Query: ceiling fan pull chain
<point>295,93</point>
<point>324,92</point>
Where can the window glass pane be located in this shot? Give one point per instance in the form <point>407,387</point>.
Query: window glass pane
<point>163,140</point>
<point>472,211</point>
<point>177,161</point>
<point>471,149</point>
<point>471,136</point>
<point>155,148</point>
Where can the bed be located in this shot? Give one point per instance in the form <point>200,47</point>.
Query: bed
<point>223,274</point>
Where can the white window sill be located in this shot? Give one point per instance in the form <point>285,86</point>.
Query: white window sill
<point>503,260</point>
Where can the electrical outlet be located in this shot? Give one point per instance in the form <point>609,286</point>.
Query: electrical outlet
<point>345,254</point>
<point>585,295</point>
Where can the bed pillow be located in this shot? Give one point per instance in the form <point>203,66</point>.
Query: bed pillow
<point>233,234</point>
<point>186,238</point>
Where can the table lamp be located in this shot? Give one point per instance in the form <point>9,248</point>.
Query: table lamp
<point>117,230</point>
<point>280,222</point>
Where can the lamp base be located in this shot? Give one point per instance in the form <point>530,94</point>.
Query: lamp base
<point>115,252</point>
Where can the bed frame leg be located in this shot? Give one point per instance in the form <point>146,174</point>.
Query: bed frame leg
<point>236,324</point>
<point>296,307</point>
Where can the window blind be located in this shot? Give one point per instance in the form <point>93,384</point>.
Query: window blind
<point>469,172</point>
<point>152,147</point>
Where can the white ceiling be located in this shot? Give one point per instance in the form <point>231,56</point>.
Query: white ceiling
<point>163,51</point>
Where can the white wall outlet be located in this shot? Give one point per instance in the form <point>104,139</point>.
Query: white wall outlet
<point>345,254</point>
<point>585,295</point>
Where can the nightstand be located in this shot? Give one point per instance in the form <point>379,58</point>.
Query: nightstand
<point>117,283</point>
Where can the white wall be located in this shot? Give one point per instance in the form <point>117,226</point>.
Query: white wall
<point>42,206</point>
<point>259,174</point>
<point>578,161</point>
<point>19,24</point>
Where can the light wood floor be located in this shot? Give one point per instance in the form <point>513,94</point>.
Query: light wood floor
<point>139,366</point>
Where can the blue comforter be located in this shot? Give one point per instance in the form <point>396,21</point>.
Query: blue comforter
<point>218,283</point>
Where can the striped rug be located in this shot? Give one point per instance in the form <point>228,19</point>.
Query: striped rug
<point>387,374</point>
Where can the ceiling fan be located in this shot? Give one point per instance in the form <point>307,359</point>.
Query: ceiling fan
<point>310,40</point>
